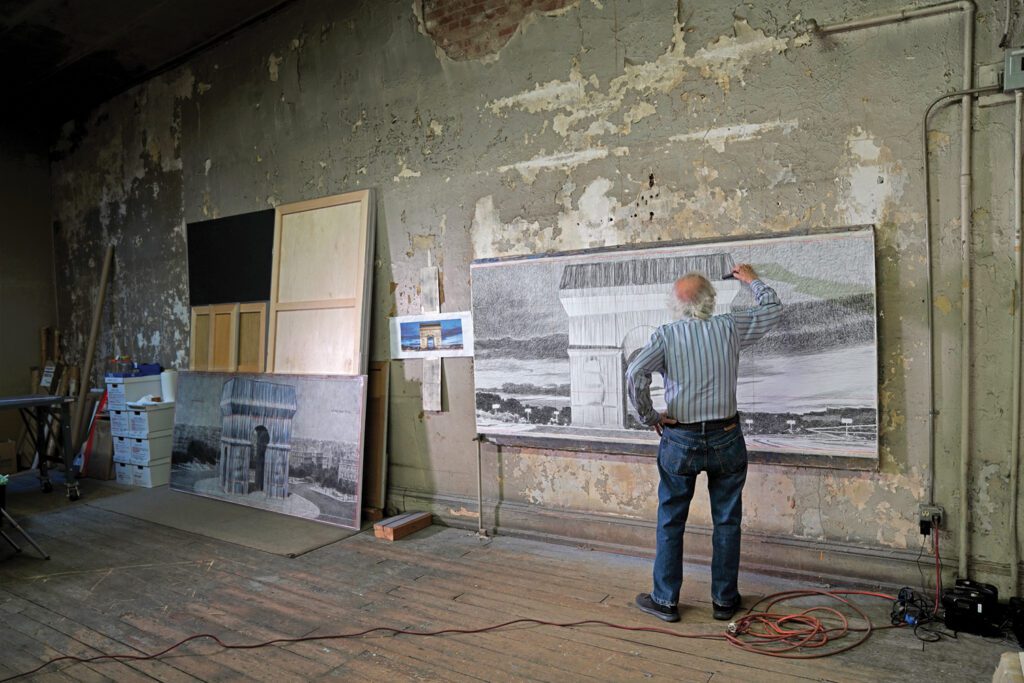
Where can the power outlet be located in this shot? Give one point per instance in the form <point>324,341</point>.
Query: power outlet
<point>930,516</point>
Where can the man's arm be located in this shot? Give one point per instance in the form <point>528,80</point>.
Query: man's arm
<point>754,323</point>
<point>638,378</point>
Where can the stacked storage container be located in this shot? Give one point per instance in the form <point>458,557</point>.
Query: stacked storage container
<point>141,432</point>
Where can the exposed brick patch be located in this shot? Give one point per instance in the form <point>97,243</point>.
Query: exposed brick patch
<point>471,29</point>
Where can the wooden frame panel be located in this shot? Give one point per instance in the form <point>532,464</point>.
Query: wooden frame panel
<point>306,278</point>
<point>210,338</point>
<point>228,314</point>
<point>199,346</point>
<point>261,342</point>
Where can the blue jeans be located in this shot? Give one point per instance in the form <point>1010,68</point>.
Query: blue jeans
<point>682,455</point>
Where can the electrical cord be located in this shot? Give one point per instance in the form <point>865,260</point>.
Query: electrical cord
<point>767,633</point>
<point>915,609</point>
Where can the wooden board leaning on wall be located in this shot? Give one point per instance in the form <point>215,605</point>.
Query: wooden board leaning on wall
<point>229,337</point>
<point>320,285</point>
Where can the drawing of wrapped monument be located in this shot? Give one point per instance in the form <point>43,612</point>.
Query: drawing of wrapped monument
<point>555,333</point>
<point>255,438</point>
<point>613,308</point>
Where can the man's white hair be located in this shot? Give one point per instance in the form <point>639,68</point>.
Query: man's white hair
<point>702,304</point>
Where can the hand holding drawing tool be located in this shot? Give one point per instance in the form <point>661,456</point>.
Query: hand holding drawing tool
<point>743,272</point>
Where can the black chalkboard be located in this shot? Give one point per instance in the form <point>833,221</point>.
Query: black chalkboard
<point>229,259</point>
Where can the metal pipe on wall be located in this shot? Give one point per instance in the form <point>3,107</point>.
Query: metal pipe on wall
<point>1018,200</point>
<point>966,309</point>
<point>966,144</point>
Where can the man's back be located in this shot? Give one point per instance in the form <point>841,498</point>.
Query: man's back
<point>699,360</point>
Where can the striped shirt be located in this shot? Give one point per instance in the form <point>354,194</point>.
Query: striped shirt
<point>699,360</point>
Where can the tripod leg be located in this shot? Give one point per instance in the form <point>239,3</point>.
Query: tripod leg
<point>17,548</point>
<point>70,480</point>
<point>41,441</point>
<point>24,533</point>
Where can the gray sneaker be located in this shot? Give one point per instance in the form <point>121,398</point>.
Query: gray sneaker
<point>647,604</point>
<point>723,612</point>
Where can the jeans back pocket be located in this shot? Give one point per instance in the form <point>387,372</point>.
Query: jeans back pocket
<point>681,454</point>
<point>729,451</point>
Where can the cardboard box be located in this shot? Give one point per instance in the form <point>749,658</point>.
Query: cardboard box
<point>119,422</point>
<point>123,390</point>
<point>153,475</point>
<point>148,419</point>
<point>101,457</point>
<point>155,449</point>
<point>123,473</point>
<point>8,457</point>
<point>122,449</point>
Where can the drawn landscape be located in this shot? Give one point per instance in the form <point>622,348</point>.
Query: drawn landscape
<point>285,443</point>
<point>554,335</point>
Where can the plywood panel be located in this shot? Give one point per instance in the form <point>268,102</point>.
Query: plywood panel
<point>319,321</point>
<point>221,342</point>
<point>198,358</point>
<point>320,253</point>
<point>308,342</point>
<point>223,353</point>
<point>252,335</point>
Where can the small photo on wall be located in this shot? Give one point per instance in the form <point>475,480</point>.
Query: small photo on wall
<point>432,335</point>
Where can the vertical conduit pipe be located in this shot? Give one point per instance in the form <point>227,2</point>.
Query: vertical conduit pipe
<point>1018,200</point>
<point>966,312</point>
<point>966,144</point>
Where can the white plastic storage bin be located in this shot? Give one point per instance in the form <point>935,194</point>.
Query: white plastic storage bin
<point>155,449</point>
<point>123,473</point>
<point>152,475</point>
<point>122,449</point>
<point>144,420</point>
<point>119,422</point>
<point>123,390</point>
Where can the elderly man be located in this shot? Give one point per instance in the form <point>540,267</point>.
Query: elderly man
<point>698,355</point>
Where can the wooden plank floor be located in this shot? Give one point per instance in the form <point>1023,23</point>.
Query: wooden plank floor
<point>120,585</point>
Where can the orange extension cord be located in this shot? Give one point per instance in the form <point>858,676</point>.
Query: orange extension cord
<point>800,635</point>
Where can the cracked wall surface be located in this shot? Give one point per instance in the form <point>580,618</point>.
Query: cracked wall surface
<point>601,123</point>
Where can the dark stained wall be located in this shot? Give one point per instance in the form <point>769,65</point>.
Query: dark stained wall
<point>26,264</point>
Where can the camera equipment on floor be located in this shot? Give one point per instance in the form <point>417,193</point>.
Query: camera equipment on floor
<point>972,607</point>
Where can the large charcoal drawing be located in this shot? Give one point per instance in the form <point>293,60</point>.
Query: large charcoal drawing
<point>554,335</point>
<point>287,443</point>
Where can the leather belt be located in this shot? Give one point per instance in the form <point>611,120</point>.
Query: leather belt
<point>708,425</point>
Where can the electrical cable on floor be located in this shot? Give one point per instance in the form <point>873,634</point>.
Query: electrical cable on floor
<point>800,635</point>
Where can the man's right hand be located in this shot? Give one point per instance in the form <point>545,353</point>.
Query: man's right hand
<point>663,421</point>
<point>745,273</point>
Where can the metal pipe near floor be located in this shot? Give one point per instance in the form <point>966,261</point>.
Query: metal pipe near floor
<point>480,531</point>
<point>1018,201</point>
<point>966,7</point>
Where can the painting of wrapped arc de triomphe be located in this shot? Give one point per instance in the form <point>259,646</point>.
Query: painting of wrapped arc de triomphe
<point>554,334</point>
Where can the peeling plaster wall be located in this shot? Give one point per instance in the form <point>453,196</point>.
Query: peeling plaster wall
<point>117,179</point>
<point>746,123</point>
<point>26,266</point>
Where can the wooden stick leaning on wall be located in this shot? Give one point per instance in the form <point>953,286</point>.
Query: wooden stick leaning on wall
<point>83,384</point>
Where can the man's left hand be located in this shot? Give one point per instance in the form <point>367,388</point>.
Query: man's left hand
<point>663,421</point>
